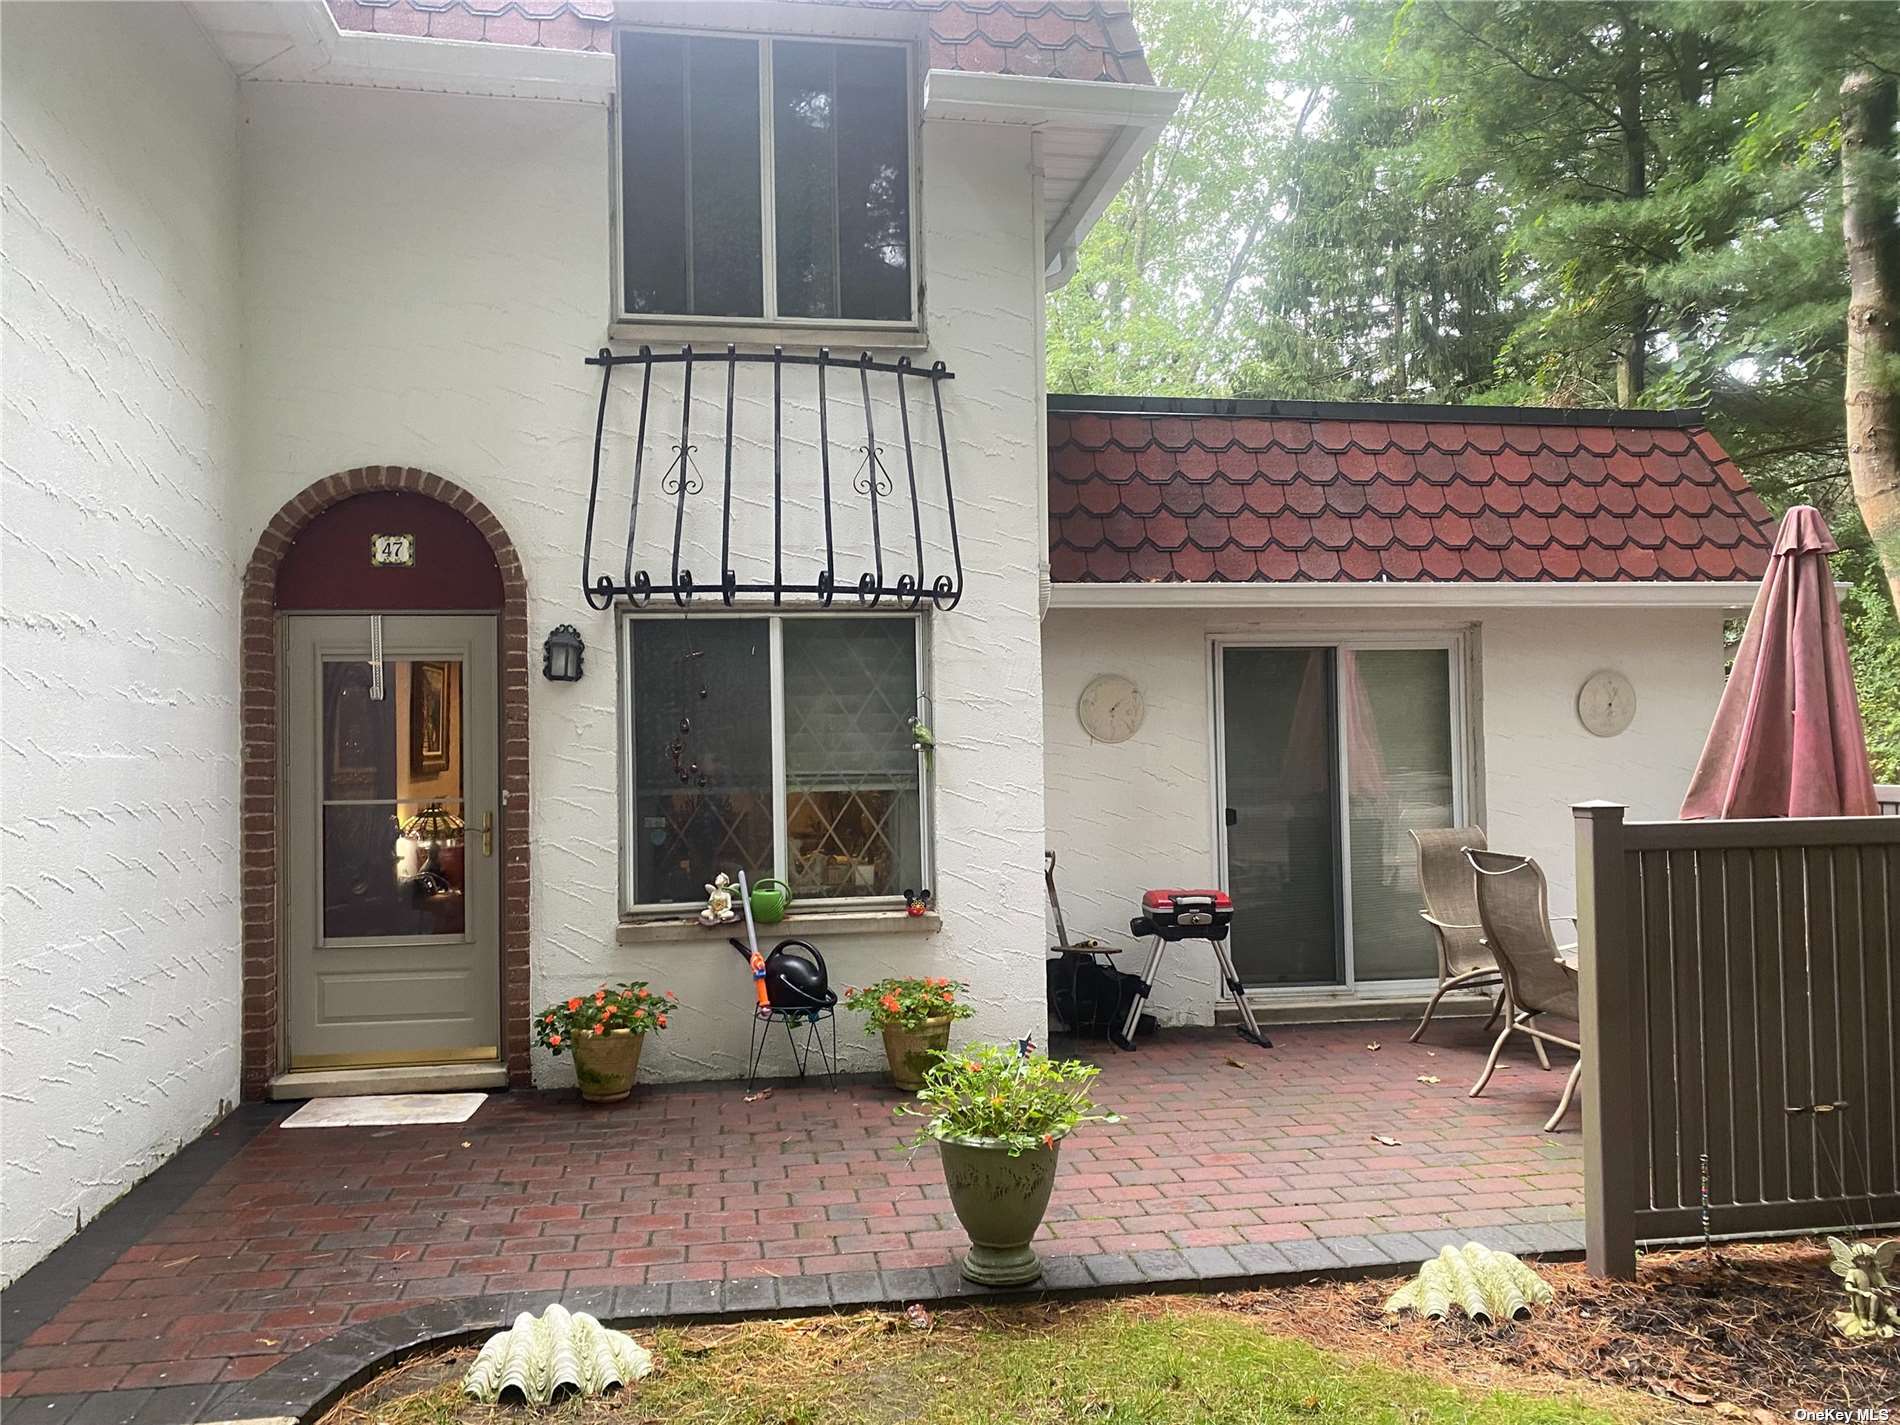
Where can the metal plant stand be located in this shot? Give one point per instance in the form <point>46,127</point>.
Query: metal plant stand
<point>814,1022</point>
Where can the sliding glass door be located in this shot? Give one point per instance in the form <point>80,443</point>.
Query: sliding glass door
<point>1281,814</point>
<point>1331,755</point>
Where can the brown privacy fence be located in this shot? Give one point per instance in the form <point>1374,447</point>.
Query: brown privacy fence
<point>1740,1004</point>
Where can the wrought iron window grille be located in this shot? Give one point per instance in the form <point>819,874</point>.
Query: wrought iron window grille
<point>872,483</point>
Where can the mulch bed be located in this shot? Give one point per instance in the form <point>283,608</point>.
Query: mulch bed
<point>1740,1329</point>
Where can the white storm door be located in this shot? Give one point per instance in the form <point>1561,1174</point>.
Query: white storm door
<point>393,951</point>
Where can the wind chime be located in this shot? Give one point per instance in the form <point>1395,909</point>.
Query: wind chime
<point>678,750</point>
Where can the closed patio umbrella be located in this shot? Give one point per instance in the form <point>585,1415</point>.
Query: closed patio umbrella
<point>1787,739</point>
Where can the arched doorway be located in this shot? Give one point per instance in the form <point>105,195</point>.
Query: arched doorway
<point>385,880</point>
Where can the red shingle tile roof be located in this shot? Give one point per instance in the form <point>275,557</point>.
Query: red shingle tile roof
<point>1162,491</point>
<point>1064,39</point>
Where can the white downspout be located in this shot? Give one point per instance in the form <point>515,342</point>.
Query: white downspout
<point>1058,273</point>
<point>1037,297</point>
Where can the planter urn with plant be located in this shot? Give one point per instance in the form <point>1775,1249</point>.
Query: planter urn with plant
<point>604,1030</point>
<point>999,1114</point>
<point>914,1017</point>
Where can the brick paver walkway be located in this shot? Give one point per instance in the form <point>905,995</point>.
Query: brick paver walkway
<point>1275,1156</point>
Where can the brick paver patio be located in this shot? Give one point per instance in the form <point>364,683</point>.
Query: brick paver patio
<point>1231,1162</point>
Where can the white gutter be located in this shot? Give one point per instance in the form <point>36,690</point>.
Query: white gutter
<point>1026,99</point>
<point>1734,595</point>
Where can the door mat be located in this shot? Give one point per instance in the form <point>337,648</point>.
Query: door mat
<point>386,1110</point>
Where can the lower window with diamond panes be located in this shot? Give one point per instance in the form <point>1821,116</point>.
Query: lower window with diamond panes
<point>780,746</point>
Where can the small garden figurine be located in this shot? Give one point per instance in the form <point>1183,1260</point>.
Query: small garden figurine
<point>719,909</point>
<point>915,1017</point>
<point>605,1029</point>
<point>1873,1298</point>
<point>999,1113</point>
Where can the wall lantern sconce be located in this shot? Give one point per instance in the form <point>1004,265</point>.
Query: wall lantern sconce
<point>561,655</point>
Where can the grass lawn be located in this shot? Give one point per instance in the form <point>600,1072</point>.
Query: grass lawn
<point>1141,1361</point>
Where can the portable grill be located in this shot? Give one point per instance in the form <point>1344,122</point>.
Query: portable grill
<point>1174,915</point>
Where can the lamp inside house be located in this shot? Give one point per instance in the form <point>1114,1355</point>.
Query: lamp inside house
<point>432,827</point>
<point>561,655</point>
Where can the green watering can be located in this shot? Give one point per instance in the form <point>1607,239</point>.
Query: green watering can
<point>770,900</point>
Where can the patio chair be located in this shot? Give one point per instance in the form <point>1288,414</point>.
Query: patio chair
<point>1514,908</point>
<point>1445,878</point>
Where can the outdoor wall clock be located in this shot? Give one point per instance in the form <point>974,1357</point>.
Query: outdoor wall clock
<point>1606,703</point>
<point>1110,708</point>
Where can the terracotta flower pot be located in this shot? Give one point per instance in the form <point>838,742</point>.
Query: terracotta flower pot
<point>606,1064</point>
<point>912,1051</point>
<point>1000,1201</point>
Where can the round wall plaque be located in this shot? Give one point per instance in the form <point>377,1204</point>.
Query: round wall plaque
<point>1110,708</point>
<point>1606,703</point>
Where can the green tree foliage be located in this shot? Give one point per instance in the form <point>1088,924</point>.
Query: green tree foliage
<point>1587,203</point>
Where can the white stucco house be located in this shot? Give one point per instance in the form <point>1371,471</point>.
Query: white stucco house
<point>347,359</point>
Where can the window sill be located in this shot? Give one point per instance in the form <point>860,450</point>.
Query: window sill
<point>843,338</point>
<point>799,924</point>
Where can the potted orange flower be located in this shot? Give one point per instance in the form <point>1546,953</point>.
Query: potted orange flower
<point>604,1031</point>
<point>915,1016</point>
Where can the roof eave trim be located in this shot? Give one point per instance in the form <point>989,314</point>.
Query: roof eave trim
<point>1034,100</point>
<point>1732,594</point>
<point>1131,115</point>
<point>325,53</point>
<point>1275,408</point>
<point>1118,163</point>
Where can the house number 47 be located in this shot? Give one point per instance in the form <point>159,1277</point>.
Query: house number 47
<point>392,549</point>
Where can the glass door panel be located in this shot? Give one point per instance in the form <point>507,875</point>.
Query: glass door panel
<point>1281,752</point>
<point>393,837</point>
<point>1399,778</point>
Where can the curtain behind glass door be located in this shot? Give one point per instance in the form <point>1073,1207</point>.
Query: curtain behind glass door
<point>1396,707</point>
<point>1282,836</point>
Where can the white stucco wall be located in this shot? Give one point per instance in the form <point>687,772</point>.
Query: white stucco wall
<point>1539,761</point>
<point>118,720</point>
<point>423,276</point>
<point>1141,813</point>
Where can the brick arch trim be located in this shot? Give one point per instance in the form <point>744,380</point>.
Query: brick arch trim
<point>262,895</point>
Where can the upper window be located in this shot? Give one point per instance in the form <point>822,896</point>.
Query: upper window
<point>780,746</point>
<point>765,179</point>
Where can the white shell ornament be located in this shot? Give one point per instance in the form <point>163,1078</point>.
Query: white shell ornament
<point>1487,1286</point>
<point>559,1353</point>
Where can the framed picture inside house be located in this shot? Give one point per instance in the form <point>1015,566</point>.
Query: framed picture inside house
<point>429,719</point>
